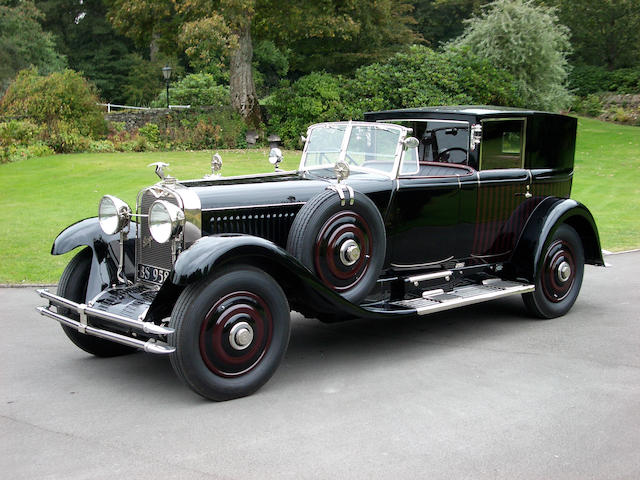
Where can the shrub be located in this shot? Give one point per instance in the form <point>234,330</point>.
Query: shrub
<point>60,97</point>
<point>317,97</point>
<point>528,41</point>
<point>64,138</point>
<point>424,77</point>
<point>588,79</point>
<point>150,132</point>
<point>22,132</point>
<point>197,89</point>
<point>101,146</point>
<point>419,77</point>
<point>205,128</point>
<point>13,153</point>
<point>590,105</point>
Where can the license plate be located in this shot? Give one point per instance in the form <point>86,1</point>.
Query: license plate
<point>152,274</point>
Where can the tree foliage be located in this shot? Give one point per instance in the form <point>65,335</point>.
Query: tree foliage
<point>62,101</point>
<point>23,42</point>
<point>439,21</point>
<point>424,77</point>
<point>603,32</point>
<point>197,89</point>
<point>419,77</point>
<point>90,43</point>
<point>336,36</point>
<point>529,42</point>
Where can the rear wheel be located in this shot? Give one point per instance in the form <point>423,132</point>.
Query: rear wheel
<point>559,279</point>
<point>231,333</point>
<point>73,285</point>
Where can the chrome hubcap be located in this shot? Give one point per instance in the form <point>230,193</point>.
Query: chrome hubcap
<point>241,335</point>
<point>349,252</point>
<point>564,272</point>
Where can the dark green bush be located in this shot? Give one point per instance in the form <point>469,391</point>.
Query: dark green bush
<point>588,79</point>
<point>317,97</point>
<point>62,97</point>
<point>420,77</point>
<point>424,77</point>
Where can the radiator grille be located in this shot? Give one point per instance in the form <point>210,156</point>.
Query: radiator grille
<point>265,222</point>
<point>148,251</point>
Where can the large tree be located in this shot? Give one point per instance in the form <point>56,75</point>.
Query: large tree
<point>528,41</point>
<point>329,34</point>
<point>23,42</point>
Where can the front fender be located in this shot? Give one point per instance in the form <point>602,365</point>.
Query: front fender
<point>542,224</point>
<point>88,233</point>
<point>304,290</point>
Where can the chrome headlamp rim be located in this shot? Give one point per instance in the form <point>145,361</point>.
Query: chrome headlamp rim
<point>165,220</point>
<point>113,214</point>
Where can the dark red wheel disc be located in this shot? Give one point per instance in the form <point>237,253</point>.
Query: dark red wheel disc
<point>221,353</point>
<point>341,229</point>
<point>558,273</point>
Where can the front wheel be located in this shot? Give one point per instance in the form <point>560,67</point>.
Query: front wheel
<point>73,285</point>
<point>559,278</point>
<point>231,333</point>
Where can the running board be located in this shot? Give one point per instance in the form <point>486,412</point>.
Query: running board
<point>437,300</point>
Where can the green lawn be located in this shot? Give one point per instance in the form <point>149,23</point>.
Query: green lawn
<point>40,197</point>
<point>607,180</point>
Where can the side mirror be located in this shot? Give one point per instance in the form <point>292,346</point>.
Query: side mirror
<point>275,157</point>
<point>410,142</point>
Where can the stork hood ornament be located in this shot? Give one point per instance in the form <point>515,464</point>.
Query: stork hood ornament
<point>159,169</point>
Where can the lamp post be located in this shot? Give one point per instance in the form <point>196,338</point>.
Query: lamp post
<point>166,73</point>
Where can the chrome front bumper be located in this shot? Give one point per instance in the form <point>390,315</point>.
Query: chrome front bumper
<point>85,312</point>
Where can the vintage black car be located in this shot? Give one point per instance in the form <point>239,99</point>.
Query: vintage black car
<point>410,212</point>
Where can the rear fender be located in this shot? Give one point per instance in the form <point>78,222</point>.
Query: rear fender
<point>105,250</point>
<point>542,224</point>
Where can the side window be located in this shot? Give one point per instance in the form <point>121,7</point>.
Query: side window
<point>502,144</point>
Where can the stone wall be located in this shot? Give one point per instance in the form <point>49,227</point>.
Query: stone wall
<point>134,119</point>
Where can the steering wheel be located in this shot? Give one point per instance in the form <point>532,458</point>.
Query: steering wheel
<point>443,155</point>
<point>350,160</point>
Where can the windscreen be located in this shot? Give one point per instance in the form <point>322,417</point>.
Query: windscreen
<point>372,147</point>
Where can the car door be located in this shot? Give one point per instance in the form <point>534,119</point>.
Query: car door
<point>502,189</point>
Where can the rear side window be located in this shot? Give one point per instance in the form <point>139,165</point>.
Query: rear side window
<point>502,144</point>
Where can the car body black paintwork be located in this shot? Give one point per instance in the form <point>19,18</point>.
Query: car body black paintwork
<point>447,216</point>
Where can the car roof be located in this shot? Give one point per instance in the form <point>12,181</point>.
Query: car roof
<point>455,112</point>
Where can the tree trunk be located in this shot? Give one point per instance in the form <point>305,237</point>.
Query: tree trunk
<point>243,91</point>
<point>153,47</point>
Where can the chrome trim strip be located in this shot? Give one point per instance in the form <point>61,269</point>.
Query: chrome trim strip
<point>85,311</point>
<point>149,346</point>
<point>433,304</point>
<point>231,207</point>
<point>429,276</point>
<point>418,265</point>
<point>449,304</point>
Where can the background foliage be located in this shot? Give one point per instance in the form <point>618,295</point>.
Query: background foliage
<point>302,62</point>
<point>528,41</point>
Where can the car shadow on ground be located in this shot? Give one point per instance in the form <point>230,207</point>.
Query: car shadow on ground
<point>318,348</point>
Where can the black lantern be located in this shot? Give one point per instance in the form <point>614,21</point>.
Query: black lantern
<point>166,73</point>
